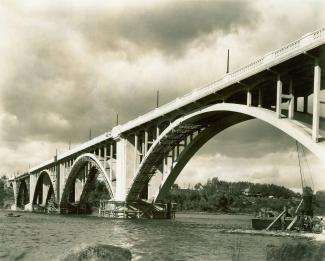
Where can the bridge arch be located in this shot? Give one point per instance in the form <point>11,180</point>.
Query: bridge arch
<point>23,194</point>
<point>95,169</point>
<point>224,115</point>
<point>44,189</point>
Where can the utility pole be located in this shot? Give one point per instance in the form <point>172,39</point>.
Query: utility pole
<point>157,105</point>
<point>90,134</point>
<point>69,144</point>
<point>116,119</point>
<point>228,61</point>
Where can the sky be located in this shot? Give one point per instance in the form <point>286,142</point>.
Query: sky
<point>68,66</point>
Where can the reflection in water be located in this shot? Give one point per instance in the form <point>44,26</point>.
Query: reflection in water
<point>188,237</point>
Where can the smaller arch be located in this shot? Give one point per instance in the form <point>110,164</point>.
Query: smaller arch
<point>38,197</point>
<point>78,164</point>
<point>23,194</point>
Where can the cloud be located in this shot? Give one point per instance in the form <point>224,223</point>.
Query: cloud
<point>279,168</point>
<point>168,27</point>
<point>250,139</point>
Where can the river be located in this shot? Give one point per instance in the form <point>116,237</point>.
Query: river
<point>188,237</point>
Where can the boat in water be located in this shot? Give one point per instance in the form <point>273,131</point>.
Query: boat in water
<point>13,215</point>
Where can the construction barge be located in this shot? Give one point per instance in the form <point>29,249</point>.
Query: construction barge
<point>302,219</point>
<point>138,209</point>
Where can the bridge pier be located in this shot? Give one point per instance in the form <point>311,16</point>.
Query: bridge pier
<point>125,162</point>
<point>291,108</point>
<point>15,189</point>
<point>316,102</point>
<point>278,109</point>
<point>249,98</point>
<point>260,98</point>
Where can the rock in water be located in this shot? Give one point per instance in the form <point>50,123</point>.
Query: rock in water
<point>97,252</point>
<point>301,251</point>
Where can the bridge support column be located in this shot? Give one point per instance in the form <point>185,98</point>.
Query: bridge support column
<point>157,131</point>
<point>278,97</point>
<point>305,109</point>
<point>125,159</point>
<point>63,170</point>
<point>291,108</point>
<point>56,187</point>
<point>105,157</point>
<point>249,98</point>
<point>111,155</point>
<point>316,103</point>
<point>145,142</point>
<point>15,189</point>
<point>260,98</point>
<point>135,152</point>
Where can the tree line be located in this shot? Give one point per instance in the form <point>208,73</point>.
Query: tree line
<point>238,197</point>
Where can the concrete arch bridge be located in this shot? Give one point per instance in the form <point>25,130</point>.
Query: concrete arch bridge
<point>282,88</point>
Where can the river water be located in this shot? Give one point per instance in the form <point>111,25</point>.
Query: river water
<point>188,237</point>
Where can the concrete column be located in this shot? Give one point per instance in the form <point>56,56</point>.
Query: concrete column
<point>145,142</point>
<point>135,153</point>
<point>111,151</point>
<point>120,170</point>
<point>78,189</point>
<point>99,154</point>
<point>295,103</point>
<point>173,155</point>
<point>63,169</point>
<point>291,108</point>
<point>157,131</point>
<point>249,98</point>
<point>32,187</point>
<point>316,103</point>
<point>15,189</point>
<point>164,167</point>
<point>260,97</point>
<point>278,97</point>
<point>177,151</point>
<point>105,156</point>
<point>124,167</point>
<point>305,104</point>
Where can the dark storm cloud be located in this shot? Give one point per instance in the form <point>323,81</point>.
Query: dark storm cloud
<point>168,27</point>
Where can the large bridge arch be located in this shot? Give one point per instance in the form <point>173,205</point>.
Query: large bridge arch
<point>96,168</point>
<point>233,114</point>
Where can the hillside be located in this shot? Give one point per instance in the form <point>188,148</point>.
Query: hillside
<point>6,194</point>
<point>238,197</point>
